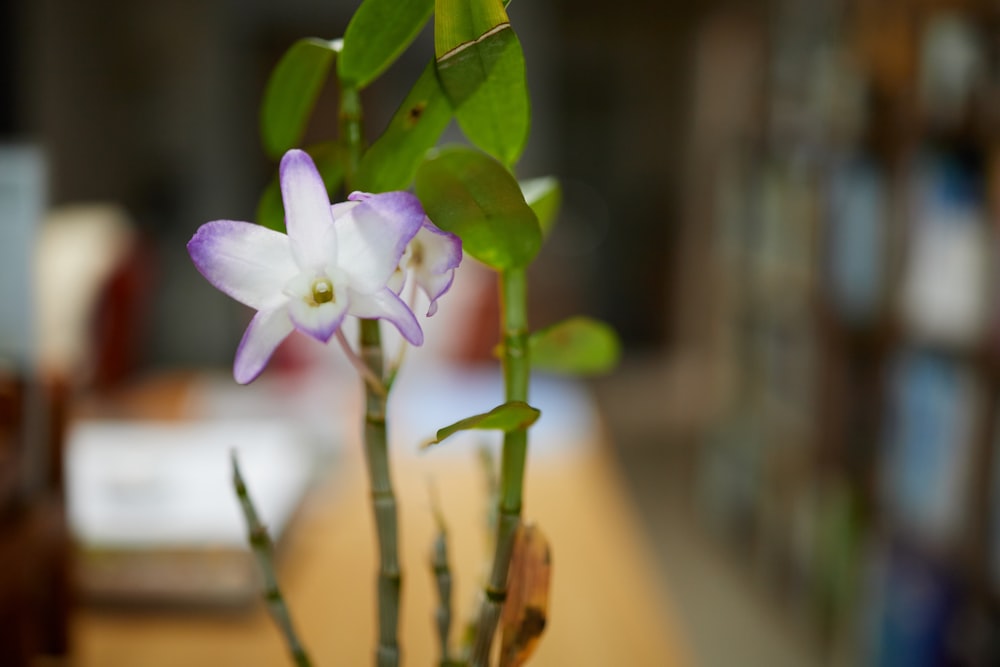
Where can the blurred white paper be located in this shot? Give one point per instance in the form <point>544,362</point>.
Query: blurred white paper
<point>153,508</point>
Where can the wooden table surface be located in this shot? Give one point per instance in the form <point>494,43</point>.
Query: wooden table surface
<point>605,609</point>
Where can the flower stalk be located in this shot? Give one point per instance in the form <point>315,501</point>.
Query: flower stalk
<point>516,371</point>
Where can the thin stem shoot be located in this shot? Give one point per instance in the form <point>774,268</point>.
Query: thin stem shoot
<point>263,550</point>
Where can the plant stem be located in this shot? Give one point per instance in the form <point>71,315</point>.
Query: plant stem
<point>376,441</point>
<point>516,371</point>
<point>350,132</point>
<point>263,550</point>
<point>383,501</point>
<point>443,579</point>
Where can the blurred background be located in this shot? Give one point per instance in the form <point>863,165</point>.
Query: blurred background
<point>787,209</point>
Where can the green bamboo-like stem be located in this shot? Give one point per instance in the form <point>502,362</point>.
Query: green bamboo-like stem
<point>263,550</point>
<point>351,134</point>
<point>516,371</point>
<point>443,578</point>
<point>389,578</point>
<point>383,502</point>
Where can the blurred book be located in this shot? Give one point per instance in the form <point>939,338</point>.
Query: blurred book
<point>153,510</point>
<point>856,240</point>
<point>911,611</point>
<point>926,470</point>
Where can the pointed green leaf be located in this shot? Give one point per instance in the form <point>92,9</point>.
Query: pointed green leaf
<point>481,67</point>
<point>544,196</point>
<point>510,416</point>
<point>391,162</point>
<point>379,31</point>
<point>291,93</point>
<point>472,195</point>
<point>577,346</point>
<point>329,157</point>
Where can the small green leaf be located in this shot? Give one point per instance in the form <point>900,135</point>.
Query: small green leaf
<point>379,31</point>
<point>577,346</point>
<point>329,158</point>
<point>510,416</point>
<point>291,93</point>
<point>544,196</point>
<point>391,162</point>
<point>472,195</point>
<point>481,67</point>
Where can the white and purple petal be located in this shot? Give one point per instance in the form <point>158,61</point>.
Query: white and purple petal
<point>342,207</point>
<point>397,281</point>
<point>434,286</point>
<point>434,270</point>
<point>320,321</point>
<point>443,250</point>
<point>373,235</point>
<point>308,217</point>
<point>245,261</point>
<point>385,304</point>
<point>266,331</point>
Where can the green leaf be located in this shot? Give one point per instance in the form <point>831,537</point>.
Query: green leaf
<point>329,158</point>
<point>379,31</point>
<point>458,22</point>
<point>544,196</point>
<point>472,195</point>
<point>291,93</point>
<point>481,67</point>
<point>497,116</point>
<point>510,416</point>
<point>577,346</point>
<point>391,162</point>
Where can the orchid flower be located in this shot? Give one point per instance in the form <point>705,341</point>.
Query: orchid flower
<point>335,261</point>
<point>430,260</point>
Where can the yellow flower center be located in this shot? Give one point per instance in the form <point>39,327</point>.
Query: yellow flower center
<point>322,291</point>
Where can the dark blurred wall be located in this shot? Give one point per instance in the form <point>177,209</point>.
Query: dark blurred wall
<point>623,80</point>
<point>9,69</point>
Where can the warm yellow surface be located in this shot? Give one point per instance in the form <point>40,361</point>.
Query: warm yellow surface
<point>605,609</point>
